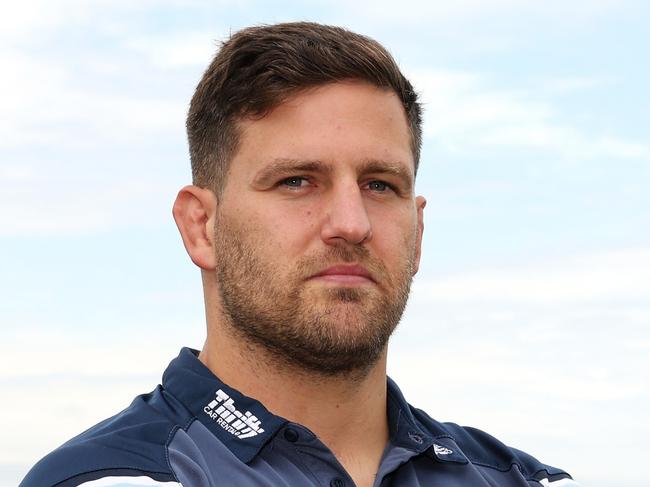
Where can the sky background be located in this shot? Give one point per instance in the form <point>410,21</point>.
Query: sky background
<point>530,316</point>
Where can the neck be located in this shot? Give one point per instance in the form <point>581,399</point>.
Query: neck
<point>347,412</point>
<point>321,403</point>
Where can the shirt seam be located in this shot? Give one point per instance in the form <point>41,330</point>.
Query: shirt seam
<point>170,437</point>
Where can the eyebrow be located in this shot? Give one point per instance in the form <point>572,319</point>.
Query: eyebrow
<point>395,169</point>
<point>281,167</point>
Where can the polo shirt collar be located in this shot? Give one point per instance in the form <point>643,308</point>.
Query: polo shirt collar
<point>244,425</point>
<point>407,432</point>
<point>241,423</point>
<point>403,430</point>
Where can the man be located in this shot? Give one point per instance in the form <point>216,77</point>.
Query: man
<point>305,141</point>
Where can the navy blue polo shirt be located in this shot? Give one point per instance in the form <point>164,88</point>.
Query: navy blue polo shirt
<point>195,431</point>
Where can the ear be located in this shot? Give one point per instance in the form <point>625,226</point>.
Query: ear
<point>420,203</point>
<point>194,212</point>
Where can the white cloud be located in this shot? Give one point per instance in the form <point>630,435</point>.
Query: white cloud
<point>531,356</point>
<point>49,356</point>
<point>571,84</point>
<point>609,276</point>
<point>73,381</point>
<point>39,205</point>
<point>566,141</point>
<point>558,9</point>
<point>177,51</point>
<point>53,113</point>
<point>22,20</point>
<point>47,98</point>
<point>472,22</point>
<point>52,128</point>
<point>558,411</point>
<point>462,114</point>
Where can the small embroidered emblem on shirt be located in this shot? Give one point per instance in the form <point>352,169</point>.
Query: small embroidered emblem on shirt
<point>441,450</point>
<point>222,410</point>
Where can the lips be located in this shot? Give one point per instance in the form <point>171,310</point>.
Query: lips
<point>345,273</point>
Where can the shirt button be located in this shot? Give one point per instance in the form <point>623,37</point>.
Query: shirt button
<point>416,438</point>
<point>337,482</point>
<point>291,435</point>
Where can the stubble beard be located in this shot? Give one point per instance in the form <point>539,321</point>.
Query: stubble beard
<point>324,331</point>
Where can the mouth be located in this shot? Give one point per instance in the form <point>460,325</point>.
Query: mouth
<point>344,274</point>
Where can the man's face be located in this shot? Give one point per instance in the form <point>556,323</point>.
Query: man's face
<point>318,232</point>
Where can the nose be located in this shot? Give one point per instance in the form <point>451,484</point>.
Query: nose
<point>346,217</point>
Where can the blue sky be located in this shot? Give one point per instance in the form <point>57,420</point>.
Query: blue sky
<point>530,317</point>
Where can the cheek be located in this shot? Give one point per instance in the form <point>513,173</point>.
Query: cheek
<point>395,231</point>
<point>285,234</point>
<point>392,247</point>
<point>311,223</point>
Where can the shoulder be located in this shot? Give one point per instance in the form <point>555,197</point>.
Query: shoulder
<point>128,449</point>
<point>484,450</point>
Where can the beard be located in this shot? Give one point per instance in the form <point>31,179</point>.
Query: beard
<point>315,328</point>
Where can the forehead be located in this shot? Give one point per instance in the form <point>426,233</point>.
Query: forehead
<point>342,123</point>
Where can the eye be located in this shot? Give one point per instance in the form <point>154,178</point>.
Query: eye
<point>294,182</point>
<point>378,186</point>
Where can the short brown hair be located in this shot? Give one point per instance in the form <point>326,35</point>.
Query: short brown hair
<point>259,67</point>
